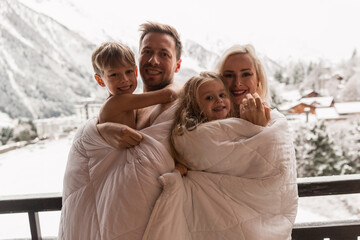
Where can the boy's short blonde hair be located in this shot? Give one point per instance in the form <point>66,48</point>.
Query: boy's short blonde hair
<point>161,28</point>
<point>108,54</point>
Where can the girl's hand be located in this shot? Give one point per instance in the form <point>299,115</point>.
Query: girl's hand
<point>181,168</point>
<point>118,135</point>
<point>253,110</point>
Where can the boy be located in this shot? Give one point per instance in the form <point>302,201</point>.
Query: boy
<point>115,68</point>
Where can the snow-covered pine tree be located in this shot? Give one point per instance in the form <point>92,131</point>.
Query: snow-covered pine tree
<point>322,158</point>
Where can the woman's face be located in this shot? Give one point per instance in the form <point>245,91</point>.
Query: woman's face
<point>240,74</point>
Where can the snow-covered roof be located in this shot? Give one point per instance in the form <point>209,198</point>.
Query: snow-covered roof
<point>290,95</point>
<point>308,91</point>
<point>326,113</point>
<point>318,101</point>
<point>347,107</point>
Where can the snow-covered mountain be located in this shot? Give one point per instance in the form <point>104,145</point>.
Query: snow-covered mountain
<point>45,68</point>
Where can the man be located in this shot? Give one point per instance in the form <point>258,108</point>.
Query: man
<point>110,193</point>
<point>160,58</point>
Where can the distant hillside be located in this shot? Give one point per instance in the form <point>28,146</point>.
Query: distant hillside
<point>44,67</point>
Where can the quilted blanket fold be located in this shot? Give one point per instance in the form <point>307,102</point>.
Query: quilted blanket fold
<point>110,193</point>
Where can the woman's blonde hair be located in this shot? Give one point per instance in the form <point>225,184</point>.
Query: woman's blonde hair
<point>260,72</point>
<point>188,114</point>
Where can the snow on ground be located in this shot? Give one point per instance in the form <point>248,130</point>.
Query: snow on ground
<point>36,168</point>
<point>39,168</point>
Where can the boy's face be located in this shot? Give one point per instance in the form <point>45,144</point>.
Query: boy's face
<point>118,79</point>
<point>157,61</point>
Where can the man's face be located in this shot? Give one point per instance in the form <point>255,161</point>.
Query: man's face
<point>157,61</point>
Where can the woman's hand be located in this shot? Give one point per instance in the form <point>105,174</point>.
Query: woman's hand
<point>119,135</point>
<point>253,110</point>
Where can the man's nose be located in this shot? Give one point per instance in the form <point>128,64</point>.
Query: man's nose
<point>154,59</point>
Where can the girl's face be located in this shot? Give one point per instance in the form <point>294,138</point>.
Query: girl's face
<point>240,73</point>
<point>213,99</point>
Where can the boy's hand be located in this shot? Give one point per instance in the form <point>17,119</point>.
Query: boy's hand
<point>253,110</point>
<point>175,87</point>
<point>172,94</point>
<point>171,91</point>
<point>118,135</point>
<point>168,95</point>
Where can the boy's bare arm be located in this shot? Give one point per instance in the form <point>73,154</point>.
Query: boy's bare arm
<point>119,104</point>
<point>127,102</point>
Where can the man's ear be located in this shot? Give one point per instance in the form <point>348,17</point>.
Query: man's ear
<point>99,80</point>
<point>178,65</point>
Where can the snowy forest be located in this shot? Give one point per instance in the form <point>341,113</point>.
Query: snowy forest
<point>325,145</point>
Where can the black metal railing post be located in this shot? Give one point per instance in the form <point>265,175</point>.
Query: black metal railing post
<point>34,225</point>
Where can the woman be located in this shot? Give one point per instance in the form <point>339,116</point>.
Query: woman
<point>247,83</point>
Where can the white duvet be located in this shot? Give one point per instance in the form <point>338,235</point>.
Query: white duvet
<point>242,184</point>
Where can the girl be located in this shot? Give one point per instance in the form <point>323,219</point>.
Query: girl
<point>202,99</point>
<point>205,98</point>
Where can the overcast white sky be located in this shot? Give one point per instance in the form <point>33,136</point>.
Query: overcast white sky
<point>307,29</point>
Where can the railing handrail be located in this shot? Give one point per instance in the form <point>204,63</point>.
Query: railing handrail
<point>329,185</point>
<point>307,187</point>
<point>31,202</point>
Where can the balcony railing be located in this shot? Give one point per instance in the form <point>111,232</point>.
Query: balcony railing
<point>32,205</point>
<point>308,187</point>
<point>324,186</point>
